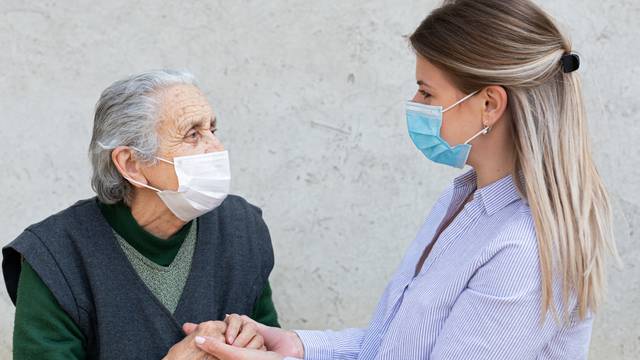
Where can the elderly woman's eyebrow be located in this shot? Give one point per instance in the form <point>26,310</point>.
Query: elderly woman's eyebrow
<point>197,122</point>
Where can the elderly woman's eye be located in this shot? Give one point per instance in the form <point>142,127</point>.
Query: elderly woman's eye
<point>192,134</point>
<point>214,130</point>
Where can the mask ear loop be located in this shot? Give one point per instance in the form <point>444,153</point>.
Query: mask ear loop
<point>145,185</point>
<point>459,101</point>
<point>134,148</point>
<point>159,158</point>
<point>141,184</point>
<point>130,179</point>
<point>484,131</point>
<point>164,160</point>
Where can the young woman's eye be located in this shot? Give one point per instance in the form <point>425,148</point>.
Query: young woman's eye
<point>424,93</point>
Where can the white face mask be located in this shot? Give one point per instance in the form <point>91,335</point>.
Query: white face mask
<point>203,184</point>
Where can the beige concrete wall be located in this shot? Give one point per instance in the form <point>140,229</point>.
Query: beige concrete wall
<point>309,97</point>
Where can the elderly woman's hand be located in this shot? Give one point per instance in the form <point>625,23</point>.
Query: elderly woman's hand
<point>239,333</point>
<point>242,331</point>
<point>187,349</point>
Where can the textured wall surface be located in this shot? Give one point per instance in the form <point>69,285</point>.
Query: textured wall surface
<point>309,99</point>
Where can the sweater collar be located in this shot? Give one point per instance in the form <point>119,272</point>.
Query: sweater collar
<point>160,251</point>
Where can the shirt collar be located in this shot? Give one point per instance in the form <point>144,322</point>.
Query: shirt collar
<point>493,197</point>
<point>466,180</point>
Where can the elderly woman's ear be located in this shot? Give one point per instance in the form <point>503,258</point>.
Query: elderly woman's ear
<point>128,165</point>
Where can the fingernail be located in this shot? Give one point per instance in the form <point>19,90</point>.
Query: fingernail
<point>200,340</point>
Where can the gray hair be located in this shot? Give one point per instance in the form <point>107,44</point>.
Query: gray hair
<point>126,115</point>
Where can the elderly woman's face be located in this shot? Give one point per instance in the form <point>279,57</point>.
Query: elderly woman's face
<point>186,126</point>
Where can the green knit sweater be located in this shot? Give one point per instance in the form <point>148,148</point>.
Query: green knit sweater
<point>43,330</point>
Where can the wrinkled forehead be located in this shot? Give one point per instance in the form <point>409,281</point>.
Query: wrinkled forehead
<point>184,106</point>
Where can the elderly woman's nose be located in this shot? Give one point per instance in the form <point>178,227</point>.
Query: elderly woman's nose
<point>214,144</point>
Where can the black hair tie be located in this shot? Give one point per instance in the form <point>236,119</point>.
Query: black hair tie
<point>570,62</point>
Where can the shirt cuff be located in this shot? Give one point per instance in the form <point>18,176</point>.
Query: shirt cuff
<point>317,345</point>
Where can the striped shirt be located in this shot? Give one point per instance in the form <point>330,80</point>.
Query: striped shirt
<point>477,295</point>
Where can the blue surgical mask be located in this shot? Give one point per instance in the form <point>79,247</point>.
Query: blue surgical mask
<point>425,122</point>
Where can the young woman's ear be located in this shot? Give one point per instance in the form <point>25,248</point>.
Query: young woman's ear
<point>128,166</point>
<point>495,104</point>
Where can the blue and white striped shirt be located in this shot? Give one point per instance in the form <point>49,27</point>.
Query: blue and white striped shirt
<point>477,296</point>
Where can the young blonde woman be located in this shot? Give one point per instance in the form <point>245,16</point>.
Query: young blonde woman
<point>510,262</point>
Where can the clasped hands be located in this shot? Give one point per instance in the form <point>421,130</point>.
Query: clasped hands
<point>236,338</point>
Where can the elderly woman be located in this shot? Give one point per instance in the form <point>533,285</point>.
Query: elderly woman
<point>116,276</point>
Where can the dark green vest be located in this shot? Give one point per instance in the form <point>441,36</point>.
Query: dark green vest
<point>80,261</point>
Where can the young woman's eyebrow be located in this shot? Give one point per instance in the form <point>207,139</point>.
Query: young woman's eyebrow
<point>422,83</point>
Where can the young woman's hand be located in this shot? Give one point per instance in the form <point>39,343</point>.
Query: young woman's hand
<point>222,351</point>
<point>283,342</point>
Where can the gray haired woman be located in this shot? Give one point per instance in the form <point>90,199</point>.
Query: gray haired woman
<point>162,244</point>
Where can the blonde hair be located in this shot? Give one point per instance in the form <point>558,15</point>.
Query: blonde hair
<point>516,45</point>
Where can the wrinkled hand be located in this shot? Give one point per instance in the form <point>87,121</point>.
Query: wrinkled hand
<point>187,349</point>
<point>238,334</point>
<point>283,342</point>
